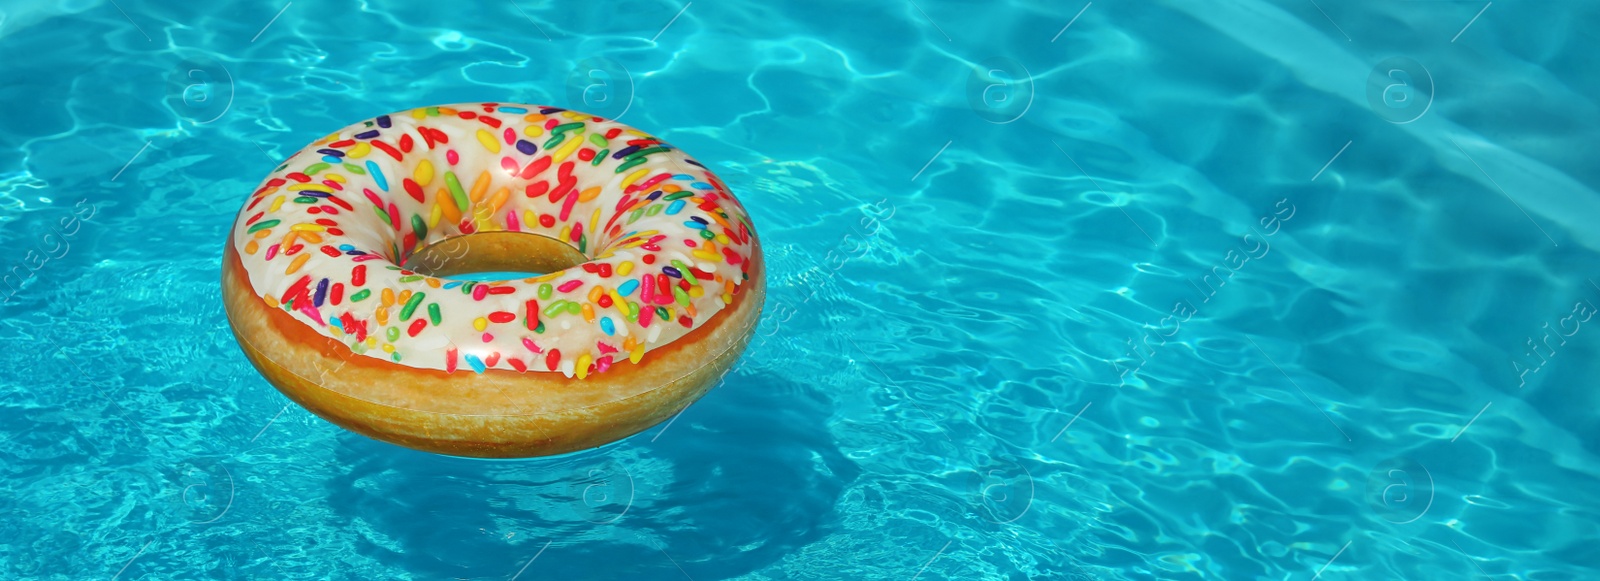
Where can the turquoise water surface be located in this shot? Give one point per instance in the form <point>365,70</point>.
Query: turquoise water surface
<point>1235,289</point>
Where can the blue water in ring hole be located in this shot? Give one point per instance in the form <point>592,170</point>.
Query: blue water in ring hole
<point>975,216</point>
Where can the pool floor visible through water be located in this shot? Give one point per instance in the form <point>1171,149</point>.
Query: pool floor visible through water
<point>1250,289</point>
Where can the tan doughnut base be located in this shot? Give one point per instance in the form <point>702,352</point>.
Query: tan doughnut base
<point>499,413</point>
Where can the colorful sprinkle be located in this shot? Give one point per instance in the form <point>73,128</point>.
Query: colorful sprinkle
<point>411,306</point>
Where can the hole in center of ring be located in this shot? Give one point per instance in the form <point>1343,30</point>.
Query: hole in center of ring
<point>492,256</point>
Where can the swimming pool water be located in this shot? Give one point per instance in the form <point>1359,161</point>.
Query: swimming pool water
<point>1238,289</point>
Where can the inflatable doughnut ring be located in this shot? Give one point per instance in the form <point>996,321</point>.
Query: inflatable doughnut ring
<point>337,279</point>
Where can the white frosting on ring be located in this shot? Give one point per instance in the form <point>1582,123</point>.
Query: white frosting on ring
<point>347,208</point>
